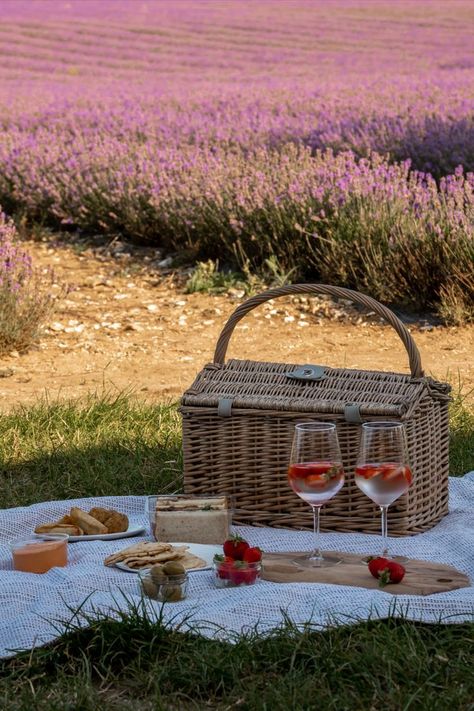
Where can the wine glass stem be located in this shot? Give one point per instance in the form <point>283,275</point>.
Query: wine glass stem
<point>316,554</point>
<point>384,510</point>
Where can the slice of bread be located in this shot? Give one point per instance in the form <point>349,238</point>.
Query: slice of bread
<point>70,529</point>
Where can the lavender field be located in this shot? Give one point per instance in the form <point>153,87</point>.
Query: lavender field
<point>336,137</point>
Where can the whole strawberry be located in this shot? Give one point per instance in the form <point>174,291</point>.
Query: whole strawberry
<point>377,566</point>
<point>241,573</point>
<point>224,564</point>
<point>235,547</point>
<point>253,555</point>
<point>386,571</point>
<point>394,573</point>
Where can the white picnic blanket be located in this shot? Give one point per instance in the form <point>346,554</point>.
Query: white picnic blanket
<point>33,608</point>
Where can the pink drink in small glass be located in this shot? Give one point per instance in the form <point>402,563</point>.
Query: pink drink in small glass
<point>383,482</point>
<point>316,482</point>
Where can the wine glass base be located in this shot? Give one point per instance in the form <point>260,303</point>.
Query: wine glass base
<point>309,562</point>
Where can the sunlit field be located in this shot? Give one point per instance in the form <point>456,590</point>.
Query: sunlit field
<point>331,136</point>
<point>327,140</point>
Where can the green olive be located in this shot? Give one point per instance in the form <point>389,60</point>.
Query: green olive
<point>171,593</point>
<point>149,588</point>
<point>172,567</point>
<point>158,574</point>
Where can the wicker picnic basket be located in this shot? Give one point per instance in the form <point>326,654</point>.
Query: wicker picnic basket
<point>239,417</point>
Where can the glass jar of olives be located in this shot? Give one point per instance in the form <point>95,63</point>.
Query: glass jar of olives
<point>165,583</point>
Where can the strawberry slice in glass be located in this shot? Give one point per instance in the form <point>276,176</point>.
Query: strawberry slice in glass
<point>382,471</point>
<point>316,474</point>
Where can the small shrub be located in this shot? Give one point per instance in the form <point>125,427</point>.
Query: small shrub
<point>207,278</point>
<point>26,298</point>
<point>456,305</point>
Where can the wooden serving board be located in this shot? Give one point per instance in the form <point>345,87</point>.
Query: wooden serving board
<point>421,578</point>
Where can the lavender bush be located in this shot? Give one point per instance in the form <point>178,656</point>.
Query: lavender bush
<point>26,299</point>
<point>339,142</point>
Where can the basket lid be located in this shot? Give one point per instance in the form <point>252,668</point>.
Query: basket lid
<point>246,384</point>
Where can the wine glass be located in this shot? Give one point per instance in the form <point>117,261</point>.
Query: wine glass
<point>316,475</point>
<point>382,471</point>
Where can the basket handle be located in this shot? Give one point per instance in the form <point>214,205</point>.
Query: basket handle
<point>337,291</point>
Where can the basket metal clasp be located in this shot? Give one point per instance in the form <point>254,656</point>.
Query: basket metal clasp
<point>308,372</point>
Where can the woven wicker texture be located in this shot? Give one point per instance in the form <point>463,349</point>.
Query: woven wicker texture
<point>239,417</point>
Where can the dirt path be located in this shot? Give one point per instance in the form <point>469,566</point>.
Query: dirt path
<point>130,326</point>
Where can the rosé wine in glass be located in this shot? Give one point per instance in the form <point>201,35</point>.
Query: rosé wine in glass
<point>316,474</point>
<point>382,470</point>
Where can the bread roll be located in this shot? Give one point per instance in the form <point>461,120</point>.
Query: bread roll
<point>114,521</point>
<point>90,525</point>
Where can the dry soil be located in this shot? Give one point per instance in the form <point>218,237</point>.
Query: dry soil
<point>129,325</point>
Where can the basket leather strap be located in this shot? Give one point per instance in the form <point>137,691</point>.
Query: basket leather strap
<point>335,291</point>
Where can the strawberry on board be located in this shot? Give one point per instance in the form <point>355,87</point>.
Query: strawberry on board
<point>377,566</point>
<point>386,571</point>
<point>393,574</point>
<point>235,547</point>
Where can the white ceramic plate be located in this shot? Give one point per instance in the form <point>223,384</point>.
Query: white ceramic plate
<point>203,550</point>
<point>129,533</point>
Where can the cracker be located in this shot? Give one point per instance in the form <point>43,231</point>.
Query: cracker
<point>174,554</point>
<point>139,562</point>
<point>189,560</point>
<point>146,554</point>
<point>138,550</point>
<point>191,503</point>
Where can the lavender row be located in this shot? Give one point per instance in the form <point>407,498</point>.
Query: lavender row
<point>368,223</point>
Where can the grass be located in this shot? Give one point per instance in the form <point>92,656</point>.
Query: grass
<point>136,663</point>
<point>462,435</point>
<point>119,444</point>
<point>122,445</point>
<point>109,445</point>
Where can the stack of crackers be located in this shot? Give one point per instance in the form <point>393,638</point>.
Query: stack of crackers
<point>147,554</point>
